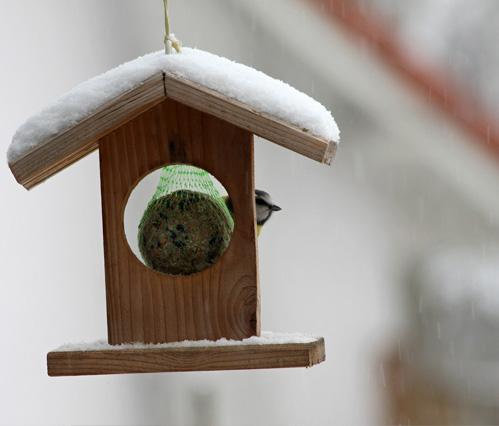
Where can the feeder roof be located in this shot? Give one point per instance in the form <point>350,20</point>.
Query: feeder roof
<point>70,128</point>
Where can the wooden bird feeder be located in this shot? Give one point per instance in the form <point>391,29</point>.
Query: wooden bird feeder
<point>166,119</point>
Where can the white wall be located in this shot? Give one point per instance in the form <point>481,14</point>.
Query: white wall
<point>331,262</point>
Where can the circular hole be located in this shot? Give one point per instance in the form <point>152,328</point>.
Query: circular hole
<point>178,220</point>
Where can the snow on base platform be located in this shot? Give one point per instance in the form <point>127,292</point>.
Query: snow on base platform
<point>266,338</point>
<point>270,350</point>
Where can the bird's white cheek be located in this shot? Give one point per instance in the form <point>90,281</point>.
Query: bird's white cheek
<point>261,212</point>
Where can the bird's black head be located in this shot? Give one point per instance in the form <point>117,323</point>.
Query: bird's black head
<point>264,206</point>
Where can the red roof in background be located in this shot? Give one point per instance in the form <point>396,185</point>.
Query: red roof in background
<point>436,86</point>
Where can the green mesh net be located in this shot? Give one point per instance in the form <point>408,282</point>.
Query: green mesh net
<point>187,225</point>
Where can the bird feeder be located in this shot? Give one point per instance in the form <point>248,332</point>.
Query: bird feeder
<point>190,108</point>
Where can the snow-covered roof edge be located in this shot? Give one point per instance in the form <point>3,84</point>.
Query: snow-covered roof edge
<point>245,84</point>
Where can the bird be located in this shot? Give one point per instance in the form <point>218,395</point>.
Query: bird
<point>264,205</point>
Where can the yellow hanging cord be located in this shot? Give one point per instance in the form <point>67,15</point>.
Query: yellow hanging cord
<point>170,40</point>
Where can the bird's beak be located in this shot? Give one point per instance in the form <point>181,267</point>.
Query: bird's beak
<point>276,208</point>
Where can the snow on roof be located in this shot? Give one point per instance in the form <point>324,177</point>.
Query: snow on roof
<point>245,84</point>
<point>266,338</point>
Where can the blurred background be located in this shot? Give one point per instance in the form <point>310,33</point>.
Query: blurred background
<point>391,254</point>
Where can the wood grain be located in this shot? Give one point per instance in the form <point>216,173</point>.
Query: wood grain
<point>62,150</point>
<point>268,127</point>
<point>208,358</point>
<point>144,305</point>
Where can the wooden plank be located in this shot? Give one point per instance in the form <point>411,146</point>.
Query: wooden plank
<point>241,115</point>
<point>144,305</point>
<point>207,358</point>
<point>59,152</point>
<point>64,149</point>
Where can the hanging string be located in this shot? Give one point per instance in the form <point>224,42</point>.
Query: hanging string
<point>171,42</point>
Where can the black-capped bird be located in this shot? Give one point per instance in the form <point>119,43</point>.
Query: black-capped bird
<point>265,207</point>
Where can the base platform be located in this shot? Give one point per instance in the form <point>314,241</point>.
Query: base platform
<point>269,351</point>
